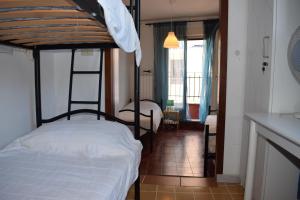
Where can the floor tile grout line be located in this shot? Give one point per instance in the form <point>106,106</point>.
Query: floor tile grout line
<point>211,193</point>
<point>156,192</point>
<point>228,191</point>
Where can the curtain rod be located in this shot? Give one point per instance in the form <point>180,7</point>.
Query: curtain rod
<point>195,20</point>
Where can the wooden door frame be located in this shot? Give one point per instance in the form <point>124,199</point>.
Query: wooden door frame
<point>223,16</point>
<point>109,84</point>
<point>220,138</point>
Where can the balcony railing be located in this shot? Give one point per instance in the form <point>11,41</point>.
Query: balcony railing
<point>194,87</point>
<point>193,94</point>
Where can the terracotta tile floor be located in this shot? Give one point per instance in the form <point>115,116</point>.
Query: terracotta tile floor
<point>164,192</point>
<point>175,153</point>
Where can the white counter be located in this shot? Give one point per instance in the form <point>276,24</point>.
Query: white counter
<point>281,129</point>
<point>285,125</point>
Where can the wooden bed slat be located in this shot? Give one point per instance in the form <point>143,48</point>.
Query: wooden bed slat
<point>67,42</point>
<point>46,22</point>
<point>51,29</point>
<point>52,35</point>
<point>35,3</point>
<point>31,40</point>
<point>49,22</point>
<point>39,14</point>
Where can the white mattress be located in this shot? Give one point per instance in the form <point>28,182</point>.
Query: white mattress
<point>211,120</point>
<point>145,108</point>
<point>28,174</point>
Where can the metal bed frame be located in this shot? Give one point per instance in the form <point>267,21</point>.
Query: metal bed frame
<point>96,14</point>
<point>149,130</point>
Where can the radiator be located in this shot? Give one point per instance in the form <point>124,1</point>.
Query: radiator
<point>146,87</point>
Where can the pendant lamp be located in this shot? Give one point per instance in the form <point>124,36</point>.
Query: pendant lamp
<point>171,40</point>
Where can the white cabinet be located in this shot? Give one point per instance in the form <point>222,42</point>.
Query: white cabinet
<point>273,166</point>
<point>281,174</point>
<point>276,173</point>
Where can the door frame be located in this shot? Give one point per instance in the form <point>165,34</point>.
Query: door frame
<point>220,138</point>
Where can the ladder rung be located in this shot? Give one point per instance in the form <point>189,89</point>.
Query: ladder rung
<point>84,102</point>
<point>86,72</point>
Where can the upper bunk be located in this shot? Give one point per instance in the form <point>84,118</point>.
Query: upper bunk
<point>53,24</point>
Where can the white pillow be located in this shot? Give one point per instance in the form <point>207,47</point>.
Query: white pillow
<point>82,138</point>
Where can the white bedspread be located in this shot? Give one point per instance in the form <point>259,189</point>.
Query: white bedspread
<point>28,174</point>
<point>145,108</point>
<point>121,27</point>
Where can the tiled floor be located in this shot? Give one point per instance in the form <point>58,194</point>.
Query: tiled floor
<point>176,153</point>
<point>179,181</point>
<point>164,192</point>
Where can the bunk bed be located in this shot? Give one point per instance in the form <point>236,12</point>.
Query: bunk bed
<point>68,159</point>
<point>150,117</point>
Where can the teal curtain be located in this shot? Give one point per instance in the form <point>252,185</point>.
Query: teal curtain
<point>210,29</point>
<point>160,32</point>
<point>180,32</point>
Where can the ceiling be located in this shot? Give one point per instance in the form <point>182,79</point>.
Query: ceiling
<point>152,10</point>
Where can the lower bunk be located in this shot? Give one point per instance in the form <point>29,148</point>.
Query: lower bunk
<point>72,160</point>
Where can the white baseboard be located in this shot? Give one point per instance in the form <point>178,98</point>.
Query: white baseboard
<point>223,178</point>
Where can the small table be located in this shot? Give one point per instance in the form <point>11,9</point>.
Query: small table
<point>171,117</point>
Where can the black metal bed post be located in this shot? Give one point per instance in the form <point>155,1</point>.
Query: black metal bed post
<point>137,94</point>
<point>37,79</point>
<point>152,132</point>
<point>71,83</point>
<point>131,7</point>
<point>100,83</point>
<point>206,132</point>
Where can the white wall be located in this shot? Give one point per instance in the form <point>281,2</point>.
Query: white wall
<point>123,78</point>
<point>257,87</point>
<point>48,84</point>
<point>16,95</point>
<point>285,88</point>
<point>56,77</point>
<point>147,45</point>
<point>17,103</point>
<point>236,66</point>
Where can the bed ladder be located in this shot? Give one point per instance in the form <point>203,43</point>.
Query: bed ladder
<point>73,72</point>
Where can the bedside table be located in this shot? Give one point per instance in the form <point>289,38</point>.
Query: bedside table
<point>171,117</point>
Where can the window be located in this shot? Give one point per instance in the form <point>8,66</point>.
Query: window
<point>176,73</point>
<point>195,52</point>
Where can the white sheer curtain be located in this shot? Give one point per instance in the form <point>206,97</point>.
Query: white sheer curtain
<point>176,76</point>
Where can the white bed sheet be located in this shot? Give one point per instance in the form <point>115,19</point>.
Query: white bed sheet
<point>121,27</point>
<point>145,108</point>
<point>32,175</point>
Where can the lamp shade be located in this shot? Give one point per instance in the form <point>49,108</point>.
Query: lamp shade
<point>171,41</point>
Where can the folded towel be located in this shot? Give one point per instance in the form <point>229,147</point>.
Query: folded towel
<point>121,27</point>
